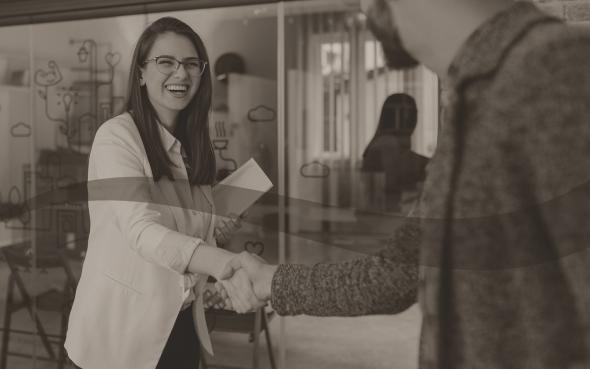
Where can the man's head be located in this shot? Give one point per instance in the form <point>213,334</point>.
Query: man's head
<point>381,24</point>
<point>430,32</point>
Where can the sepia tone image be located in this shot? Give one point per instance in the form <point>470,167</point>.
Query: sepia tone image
<point>330,184</point>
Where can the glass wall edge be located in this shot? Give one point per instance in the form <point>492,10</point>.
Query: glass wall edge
<point>34,17</point>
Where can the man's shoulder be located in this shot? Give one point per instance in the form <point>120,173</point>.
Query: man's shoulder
<point>555,39</point>
<point>549,50</point>
<point>548,63</point>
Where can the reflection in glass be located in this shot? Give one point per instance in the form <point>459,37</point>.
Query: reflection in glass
<point>335,89</point>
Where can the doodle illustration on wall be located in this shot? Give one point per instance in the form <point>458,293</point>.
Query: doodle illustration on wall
<point>254,247</point>
<point>6,209</point>
<point>17,209</point>
<point>79,127</point>
<point>20,130</point>
<point>49,180</point>
<point>213,300</point>
<point>260,116</point>
<point>262,113</point>
<point>221,144</point>
<point>3,209</point>
<point>315,170</point>
<point>50,78</point>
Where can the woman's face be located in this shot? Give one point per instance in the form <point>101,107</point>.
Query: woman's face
<point>169,94</point>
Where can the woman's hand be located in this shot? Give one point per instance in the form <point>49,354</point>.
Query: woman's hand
<point>240,294</point>
<point>226,228</point>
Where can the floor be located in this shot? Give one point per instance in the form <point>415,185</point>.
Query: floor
<point>344,343</point>
<point>363,342</point>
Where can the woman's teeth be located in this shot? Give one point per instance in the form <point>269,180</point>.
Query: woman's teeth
<point>175,88</point>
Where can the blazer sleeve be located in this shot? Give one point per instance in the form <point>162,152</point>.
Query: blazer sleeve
<point>385,283</point>
<point>121,183</point>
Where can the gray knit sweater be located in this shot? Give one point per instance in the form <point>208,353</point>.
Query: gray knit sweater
<point>499,256</point>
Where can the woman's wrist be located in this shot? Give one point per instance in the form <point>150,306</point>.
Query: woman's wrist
<point>209,260</point>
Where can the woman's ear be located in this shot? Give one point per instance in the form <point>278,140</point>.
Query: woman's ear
<point>141,80</point>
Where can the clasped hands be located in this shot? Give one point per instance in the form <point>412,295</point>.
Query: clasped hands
<point>227,227</point>
<point>245,283</point>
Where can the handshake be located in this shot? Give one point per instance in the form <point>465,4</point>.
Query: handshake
<point>245,283</point>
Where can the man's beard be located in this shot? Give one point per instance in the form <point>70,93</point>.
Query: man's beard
<point>381,25</point>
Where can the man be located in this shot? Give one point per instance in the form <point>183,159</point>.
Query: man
<point>501,233</point>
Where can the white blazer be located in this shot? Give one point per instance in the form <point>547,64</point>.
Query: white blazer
<point>130,293</point>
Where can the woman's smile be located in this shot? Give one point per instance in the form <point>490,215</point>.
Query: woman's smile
<point>178,90</point>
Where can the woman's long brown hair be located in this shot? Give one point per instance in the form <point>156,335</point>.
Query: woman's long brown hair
<point>192,127</point>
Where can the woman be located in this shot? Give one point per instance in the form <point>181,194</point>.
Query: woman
<point>152,240</point>
<point>390,150</point>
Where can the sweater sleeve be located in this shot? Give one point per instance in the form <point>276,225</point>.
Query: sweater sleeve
<point>385,283</point>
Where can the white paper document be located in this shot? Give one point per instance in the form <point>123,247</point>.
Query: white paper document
<point>236,193</point>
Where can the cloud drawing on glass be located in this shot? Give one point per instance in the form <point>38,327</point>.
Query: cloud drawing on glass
<point>315,170</point>
<point>261,113</point>
<point>20,130</point>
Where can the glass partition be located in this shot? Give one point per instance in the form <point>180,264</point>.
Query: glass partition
<point>299,86</point>
<point>60,82</point>
<point>358,138</point>
<point>17,147</point>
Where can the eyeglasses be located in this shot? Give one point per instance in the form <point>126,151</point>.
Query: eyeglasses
<point>167,65</point>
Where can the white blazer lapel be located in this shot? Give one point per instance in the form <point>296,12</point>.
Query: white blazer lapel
<point>206,190</point>
<point>167,188</point>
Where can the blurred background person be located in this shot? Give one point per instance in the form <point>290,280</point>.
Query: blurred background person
<point>390,150</point>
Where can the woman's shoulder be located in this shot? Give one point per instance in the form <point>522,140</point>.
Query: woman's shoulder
<point>121,126</point>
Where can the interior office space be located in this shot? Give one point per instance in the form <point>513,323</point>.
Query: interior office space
<point>300,86</point>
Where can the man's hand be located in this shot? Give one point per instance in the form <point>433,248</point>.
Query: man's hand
<point>226,228</point>
<point>256,269</point>
<point>239,295</point>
